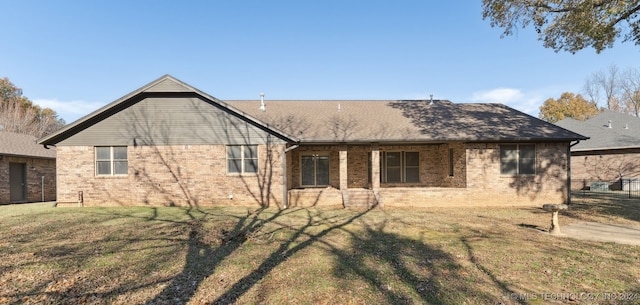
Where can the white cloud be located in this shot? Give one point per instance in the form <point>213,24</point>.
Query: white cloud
<point>527,102</point>
<point>498,95</point>
<point>69,110</point>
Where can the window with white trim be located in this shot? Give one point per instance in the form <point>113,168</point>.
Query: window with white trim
<point>517,159</point>
<point>314,170</point>
<point>400,167</point>
<point>111,161</point>
<point>242,159</point>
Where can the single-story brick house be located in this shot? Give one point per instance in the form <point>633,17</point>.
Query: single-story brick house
<point>27,170</point>
<point>169,143</point>
<point>612,152</point>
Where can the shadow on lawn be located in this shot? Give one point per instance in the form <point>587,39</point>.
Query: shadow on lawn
<point>404,270</point>
<point>467,241</point>
<point>400,269</point>
<point>203,257</point>
<point>584,205</point>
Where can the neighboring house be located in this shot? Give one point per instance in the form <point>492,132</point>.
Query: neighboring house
<point>612,152</point>
<point>27,170</point>
<point>168,143</point>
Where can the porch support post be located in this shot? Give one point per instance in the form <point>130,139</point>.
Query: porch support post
<point>285,173</point>
<point>375,167</point>
<point>343,168</point>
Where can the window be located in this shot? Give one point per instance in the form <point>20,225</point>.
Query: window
<point>242,159</point>
<point>315,170</point>
<point>111,160</point>
<point>400,167</point>
<point>518,159</point>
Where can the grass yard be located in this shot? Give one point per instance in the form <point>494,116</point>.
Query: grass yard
<point>231,255</point>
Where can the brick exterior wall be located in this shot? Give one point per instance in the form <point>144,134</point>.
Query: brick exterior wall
<point>196,175</point>
<point>35,169</point>
<point>485,186</point>
<point>476,181</point>
<point>607,165</point>
<point>180,175</point>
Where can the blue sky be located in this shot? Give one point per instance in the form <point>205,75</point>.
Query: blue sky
<point>76,56</point>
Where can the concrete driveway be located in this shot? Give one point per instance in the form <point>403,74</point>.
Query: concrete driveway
<point>623,234</point>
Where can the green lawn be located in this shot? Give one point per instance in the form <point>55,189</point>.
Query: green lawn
<point>232,255</point>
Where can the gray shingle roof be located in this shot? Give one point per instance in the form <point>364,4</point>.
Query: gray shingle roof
<point>623,133</point>
<point>402,121</point>
<point>15,144</point>
<point>386,121</point>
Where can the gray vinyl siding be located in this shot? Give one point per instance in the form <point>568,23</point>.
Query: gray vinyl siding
<point>170,121</point>
<point>167,85</point>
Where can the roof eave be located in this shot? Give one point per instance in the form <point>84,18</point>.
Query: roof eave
<point>433,141</point>
<point>605,148</point>
<point>26,156</point>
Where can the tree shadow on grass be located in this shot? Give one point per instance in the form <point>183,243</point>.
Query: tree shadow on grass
<point>405,271</point>
<point>582,206</point>
<point>206,250</point>
<point>504,288</point>
<point>302,238</point>
<point>207,247</point>
<point>61,253</point>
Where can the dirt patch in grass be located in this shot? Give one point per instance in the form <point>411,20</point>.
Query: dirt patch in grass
<point>312,256</point>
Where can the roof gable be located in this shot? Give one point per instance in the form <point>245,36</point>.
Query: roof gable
<point>168,84</point>
<point>165,86</point>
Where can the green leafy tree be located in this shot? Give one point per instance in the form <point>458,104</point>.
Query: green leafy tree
<point>568,25</point>
<point>568,105</point>
<point>18,114</point>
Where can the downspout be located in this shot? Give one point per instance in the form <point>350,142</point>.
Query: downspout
<point>569,170</point>
<point>285,197</point>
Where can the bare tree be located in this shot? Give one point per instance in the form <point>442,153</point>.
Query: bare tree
<point>18,114</point>
<point>630,86</point>
<point>605,82</point>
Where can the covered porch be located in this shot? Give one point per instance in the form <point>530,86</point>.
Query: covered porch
<point>373,174</point>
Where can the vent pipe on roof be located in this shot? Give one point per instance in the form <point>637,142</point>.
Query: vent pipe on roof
<point>338,107</point>
<point>609,125</point>
<point>430,99</point>
<point>262,106</point>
